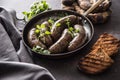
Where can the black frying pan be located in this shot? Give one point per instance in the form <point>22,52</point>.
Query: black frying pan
<point>55,13</point>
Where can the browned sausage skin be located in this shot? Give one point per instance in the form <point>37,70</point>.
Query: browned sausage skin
<point>33,40</point>
<point>62,43</point>
<point>84,4</point>
<point>47,26</point>
<point>46,39</point>
<point>79,39</point>
<point>57,30</point>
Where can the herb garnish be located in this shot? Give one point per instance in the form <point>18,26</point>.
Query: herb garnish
<point>35,9</point>
<point>47,32</point>
<point>40,32</point>
<point>58,25</point>
<point>40,50</point>
<point>51,21</point>
<point>37,31</point>
<point>71,30</point>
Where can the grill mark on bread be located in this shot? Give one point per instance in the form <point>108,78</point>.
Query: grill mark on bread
<point>90,70</point>
<point>108,43</point>
<point>96,61</point>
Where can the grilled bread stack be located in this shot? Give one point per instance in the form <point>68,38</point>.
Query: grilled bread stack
<point>99,58</point>
<point>99,15</point>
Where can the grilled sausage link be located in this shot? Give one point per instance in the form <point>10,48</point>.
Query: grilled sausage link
<point>84,4</point>
<point>79,39</point>
<point>57,29</point>
<point>33,40</point>
<point>62,44</point>
<point>99,17</point>
<point>46,39</point>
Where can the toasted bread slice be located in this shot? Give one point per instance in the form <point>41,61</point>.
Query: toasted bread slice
<point>108,43</point>
<point>95,62</point>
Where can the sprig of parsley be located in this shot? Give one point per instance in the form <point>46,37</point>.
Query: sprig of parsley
<point>35,9</point>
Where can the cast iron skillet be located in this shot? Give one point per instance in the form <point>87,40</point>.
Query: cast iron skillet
<point>55,13</point>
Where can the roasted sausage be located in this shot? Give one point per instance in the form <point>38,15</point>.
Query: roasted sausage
<point>62,44</point>
<point>84,4</point>
<point>57,30</point>
<point>79,39</point>
<point>68,7</point>
<point>78,9</point>
<point>46,39</point>
<point>103,7</point>
<point>99,17</point>
<point>33,40</point>
<point>47,26</point>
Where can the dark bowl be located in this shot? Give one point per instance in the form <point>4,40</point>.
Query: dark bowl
<point>45,15</point>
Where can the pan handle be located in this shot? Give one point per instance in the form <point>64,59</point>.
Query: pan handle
<point>95,5</point>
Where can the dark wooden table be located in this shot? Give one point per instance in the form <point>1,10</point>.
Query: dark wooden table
<point>66,69</point>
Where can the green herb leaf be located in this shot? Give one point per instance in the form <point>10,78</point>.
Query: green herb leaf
<point>77,30</point>
<point>41,50</point>
<point>71,29</point>
<point>68,22</point>
<point>47,32</point>
<point>37,31</point>
<point>71,34</point>
<point>58,25</point>
<point>35,9</point>
<point>42,26</point>
<point>51,21</point>
<point>25,13</point>
<point>38,26</point>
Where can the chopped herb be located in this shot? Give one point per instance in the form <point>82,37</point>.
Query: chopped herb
<point>51,21</point>
<point>38,26</point>
<point>40,50</point>
<point>71,29</point>
<point>58,25</point>
<point>37,31</point>
<point>68,22</point>
<point>71,33</point>
<point>42,26</point>
<point>47,32</point>
<point>77,30</point>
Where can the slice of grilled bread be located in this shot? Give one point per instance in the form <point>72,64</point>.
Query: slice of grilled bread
<point>95,62</point>
<point>108,43</point>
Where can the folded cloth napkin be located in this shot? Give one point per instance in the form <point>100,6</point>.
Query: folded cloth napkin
<point>15,61</point>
